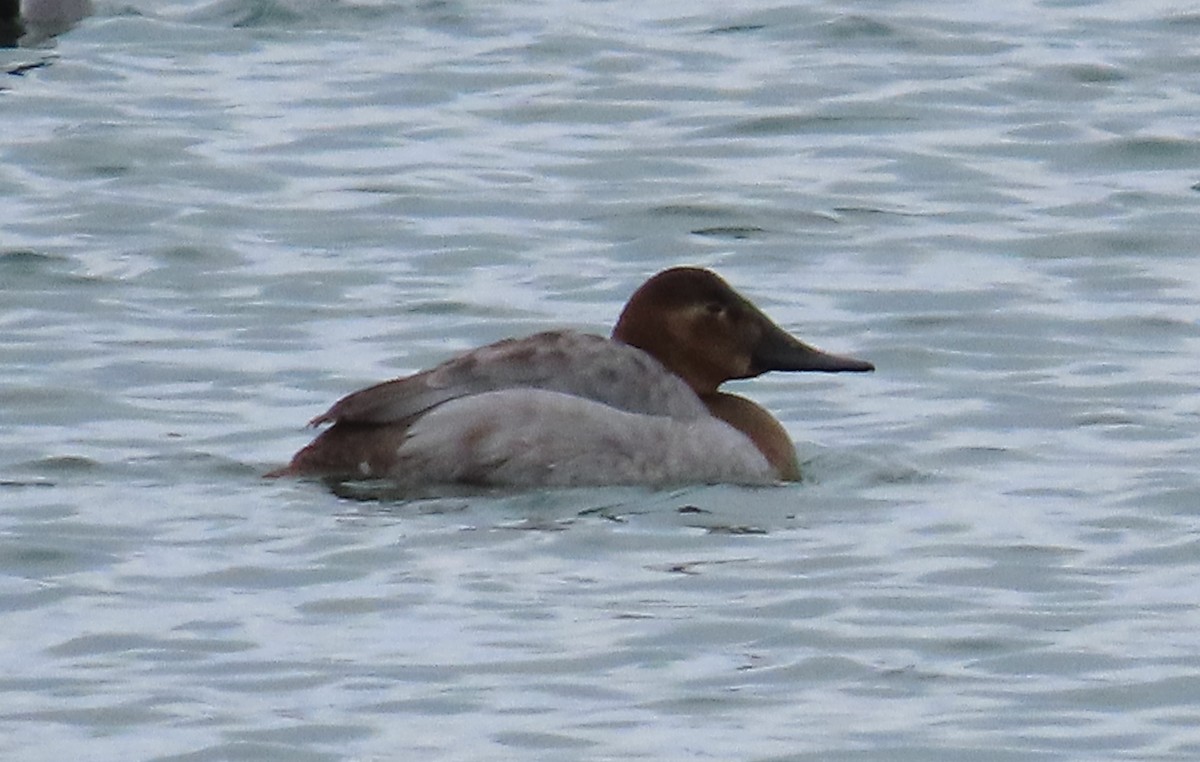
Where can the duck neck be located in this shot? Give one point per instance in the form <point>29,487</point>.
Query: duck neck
<point>767,434</point>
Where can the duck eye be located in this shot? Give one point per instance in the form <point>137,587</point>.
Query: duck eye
<point>714,308</point>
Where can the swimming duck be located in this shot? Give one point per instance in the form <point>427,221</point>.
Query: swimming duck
<point>563,408</point>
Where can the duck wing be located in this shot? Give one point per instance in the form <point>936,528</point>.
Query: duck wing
<point>578,364</point>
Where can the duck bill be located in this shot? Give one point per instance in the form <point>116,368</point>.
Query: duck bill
<point>779,350</point>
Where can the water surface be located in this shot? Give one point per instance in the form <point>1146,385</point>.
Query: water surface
<point>221,216</point>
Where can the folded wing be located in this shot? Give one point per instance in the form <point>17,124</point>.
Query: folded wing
<point>577,364</point>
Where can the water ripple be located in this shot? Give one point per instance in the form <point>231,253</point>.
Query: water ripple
<point>222,215</point>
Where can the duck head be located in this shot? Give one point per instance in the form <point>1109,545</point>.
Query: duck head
<point>696,325</point>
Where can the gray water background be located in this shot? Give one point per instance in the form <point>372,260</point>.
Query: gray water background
<point>218,217</point>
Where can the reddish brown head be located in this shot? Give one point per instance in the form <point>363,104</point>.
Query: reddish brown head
<point>696,325</point>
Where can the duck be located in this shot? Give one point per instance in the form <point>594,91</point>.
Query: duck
<point>564,408</point>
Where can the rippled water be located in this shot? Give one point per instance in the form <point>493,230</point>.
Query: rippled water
<point>218,217</point>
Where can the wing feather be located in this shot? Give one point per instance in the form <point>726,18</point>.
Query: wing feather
<point>578,364</point>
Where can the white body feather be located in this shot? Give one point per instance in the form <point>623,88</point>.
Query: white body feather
<point>527,437</point>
